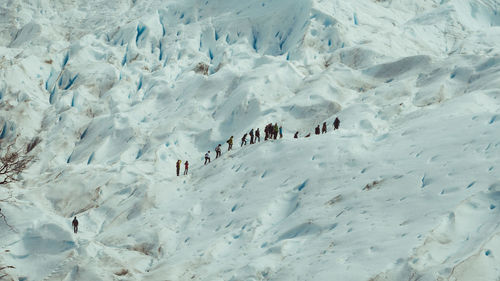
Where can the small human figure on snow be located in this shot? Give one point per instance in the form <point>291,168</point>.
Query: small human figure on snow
<point>207,157</point>
<point>217,151</point>
<point>244,139</point>
<point>251,136</point>
<point>336,123</point>
<point>178,166</point>
<point>230,143</point>
<point>75,225</point>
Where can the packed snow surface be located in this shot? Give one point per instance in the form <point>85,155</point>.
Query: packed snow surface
<point>117,91</point>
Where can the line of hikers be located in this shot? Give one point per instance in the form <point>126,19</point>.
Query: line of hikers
<point>271,132</point>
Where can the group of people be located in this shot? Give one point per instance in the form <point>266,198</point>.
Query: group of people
<point>178,167</point>
<point>323,129</point>
<point>271,132</point>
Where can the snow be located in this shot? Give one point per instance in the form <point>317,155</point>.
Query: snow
<point>406,189</point>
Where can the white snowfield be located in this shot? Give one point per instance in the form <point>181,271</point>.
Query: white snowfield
<point>407,189</point>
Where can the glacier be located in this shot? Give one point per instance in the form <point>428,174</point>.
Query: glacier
<point>117,91</point>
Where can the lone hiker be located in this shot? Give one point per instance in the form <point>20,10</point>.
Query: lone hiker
<point>323,129</point>
<point>75,225</point>
<point>178,166</point>
<point>296,135</point>
<point>336,123</point>
<point>217,151</point>
<point>257,135</point>
<point>186,167</point>
<point>207,157</point>
<point>230,143</point>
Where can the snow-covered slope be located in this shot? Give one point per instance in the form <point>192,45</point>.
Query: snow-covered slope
<point>117,91</point>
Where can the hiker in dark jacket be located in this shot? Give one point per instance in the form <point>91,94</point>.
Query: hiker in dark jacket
<point>75,225</point>
<point>270,131</point>
<point>257,135</point>
<point>323,130</point>
<point>316,130</point>
<point>336,123</point>
<point>244,139</point>
<point>275,130</point>
<point>251,136</point>
<point>296,135</point>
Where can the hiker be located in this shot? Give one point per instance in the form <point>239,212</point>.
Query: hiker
<point>269,131</point>
<point>323,130</point>
<point>316,130</point>
<point>186,167</point>
<point>281,132</point>
<point>178,166</point>
<point>75,225</point>
<point>336,123</point>
<point>275,130</point>
<point>244,139</point>
<point>296,135</point>
<point>217,151</point>
<point>251,136</point>
<point>230,143</point>
<point>207,157</point>
<point>257,135</point>
<point>266,130</point>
